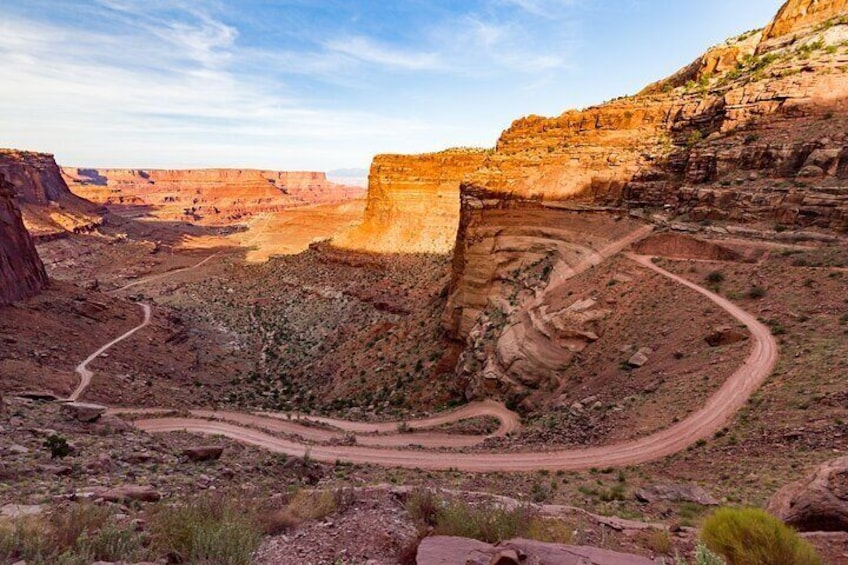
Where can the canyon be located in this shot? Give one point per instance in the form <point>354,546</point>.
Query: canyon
<point>645,296</point>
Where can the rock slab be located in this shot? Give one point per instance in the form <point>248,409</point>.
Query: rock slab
<point>447,550</point>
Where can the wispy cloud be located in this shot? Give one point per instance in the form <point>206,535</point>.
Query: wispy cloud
<point>369,51</point>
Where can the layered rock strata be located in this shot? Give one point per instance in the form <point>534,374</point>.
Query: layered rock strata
<point>49,208</point>
<point>22,273</point>
<point>413,203</point>
<point>752,132</point>
<point>209,196</point>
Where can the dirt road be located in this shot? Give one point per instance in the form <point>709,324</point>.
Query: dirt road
<point>717,412</point>
<point>82,369</point>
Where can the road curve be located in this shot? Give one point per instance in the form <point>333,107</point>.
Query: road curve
<point>153,278</point>
<point>82,369</point>
<point>713,416</point>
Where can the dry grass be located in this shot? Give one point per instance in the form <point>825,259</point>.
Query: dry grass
<point>488,521</point>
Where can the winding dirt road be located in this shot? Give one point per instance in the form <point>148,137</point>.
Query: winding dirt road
<point>717,412</point>
<point>82,369</point>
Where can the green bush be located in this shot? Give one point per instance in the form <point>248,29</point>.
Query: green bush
<point>750,536</point>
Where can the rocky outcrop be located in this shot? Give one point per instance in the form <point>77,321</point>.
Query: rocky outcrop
<point>818,502</point>
<point>208,196</point>
<point>413,203</point>
<point>447,550</point>
<point>48,206</point>
<point>22,273</point>
<point>752,132</point>
<point>798,15</point>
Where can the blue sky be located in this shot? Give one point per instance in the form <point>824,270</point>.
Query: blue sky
<point>325,84</point>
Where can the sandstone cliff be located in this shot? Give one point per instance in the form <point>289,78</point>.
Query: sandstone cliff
<point>22,273</point>
<point>210,196</point>
<point>413,203</point>
<point>48,205</point>
<point>752,132</point>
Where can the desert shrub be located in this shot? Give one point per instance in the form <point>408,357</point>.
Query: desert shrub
<point>658,541</point>
<point>715,277</point>
<point>703,556</point>
<point>490,523</point>
<point>423,505</point>
<point>756,292</point>
<point>549,530</point>
<point>211,529</point>
<point>750,536</point>
<point>58,446</point>
<point>80,534</point>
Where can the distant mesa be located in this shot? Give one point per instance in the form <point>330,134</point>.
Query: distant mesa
<point>204,196</point>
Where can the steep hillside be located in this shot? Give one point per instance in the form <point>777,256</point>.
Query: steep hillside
<point>208,196</point>
<point>48,206</point>
<point>750,133</point>
<point>413,203</point>
<point>21,271</point>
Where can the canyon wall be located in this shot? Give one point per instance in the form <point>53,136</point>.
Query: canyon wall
<point>22,273</point>
<point>753,132</point>
<point>798,15</point>
<point>210,196</point>
<point>413,203</point>
<point>48,206</point>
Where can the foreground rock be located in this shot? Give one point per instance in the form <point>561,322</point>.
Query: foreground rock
<point>131,493</point>
<point>444,550</point>
<point>84,412</point>
<point>725,336</point>
<point>22,273</point>
<point>818,502</point>
<point>204,453</point>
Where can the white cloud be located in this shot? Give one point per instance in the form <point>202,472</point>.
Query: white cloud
<point>369,51</point>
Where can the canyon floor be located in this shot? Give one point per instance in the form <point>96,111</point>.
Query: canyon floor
<point>357,337</point>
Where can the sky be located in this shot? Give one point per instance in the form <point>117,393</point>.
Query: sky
<point>325,84</point>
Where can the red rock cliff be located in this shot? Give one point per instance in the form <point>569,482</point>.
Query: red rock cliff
<point>752,132</point>
<point>413,203</point>
<point>21,270</point>
<point>48,205</point>
<point>214,196</point>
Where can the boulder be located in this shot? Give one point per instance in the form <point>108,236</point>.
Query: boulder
<point>446,550</point>
<point>84,412</point>
<point>640,358</point>
<point>204,452</point>
<point>131,493</point>
<point>725,335</point>
<point>818,502</point>
<point>676,493</point>
<point>14,511</point>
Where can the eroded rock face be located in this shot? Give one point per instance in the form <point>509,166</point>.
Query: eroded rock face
<point>49,208</point>
<point>797,15</point>
<point>413,203</point>
<point>754,131</point>
<point>22,273</point>
<point>208,196</point>
<point>818,502</point>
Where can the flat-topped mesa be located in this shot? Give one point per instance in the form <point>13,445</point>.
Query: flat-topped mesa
<point>49,207</point>
<point>413,203</point>
<point>212,196</point>
<point>22,273</point>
